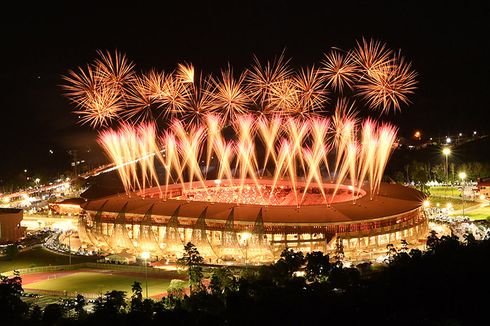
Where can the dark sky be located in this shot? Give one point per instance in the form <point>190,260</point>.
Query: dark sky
<point>447,43</point>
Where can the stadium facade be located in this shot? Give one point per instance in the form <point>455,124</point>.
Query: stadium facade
<point>235,232</point>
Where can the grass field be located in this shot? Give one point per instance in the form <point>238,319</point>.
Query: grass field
<point>39,257</point>
<point>99,282</point>
<point>456,203</point>
<point>444,191</point>
<point>481,213</point>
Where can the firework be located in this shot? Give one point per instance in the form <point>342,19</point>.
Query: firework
<point>389,86</point>
<point>361,153</point>
<point>185,73</point>
<point>99,107</point>
<point>270,114</point>
<point>372,56</point>
<point>261,79</point>
<point>114,70</point>
<point>172,98</point>
<point>312,90</point>
<point>199,100</point>
<point>229,97</point>
<point>140,99</point>
<point>383,79</point>
<point>339,70</point>
<point>81,84</point>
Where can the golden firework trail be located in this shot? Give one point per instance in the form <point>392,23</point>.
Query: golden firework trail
<point>360,151</point>
<point>239,125</point>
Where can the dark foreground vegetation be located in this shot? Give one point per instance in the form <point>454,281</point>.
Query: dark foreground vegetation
<point>446,285</point>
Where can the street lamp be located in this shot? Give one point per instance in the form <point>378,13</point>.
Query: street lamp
<point>69,247</point>
<point>462,176</point>
<point>446,151</point>
<point>417,135</point>
<point>145,255</point>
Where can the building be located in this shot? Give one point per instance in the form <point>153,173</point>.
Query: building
<point>10,229</point>
<point>70,206</point>
<point>484,187</point>
<point>231,232</point>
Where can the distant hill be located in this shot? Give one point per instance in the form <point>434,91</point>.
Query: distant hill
<point>473,151</point>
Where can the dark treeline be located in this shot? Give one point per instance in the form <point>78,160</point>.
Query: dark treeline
<point>429,163</point>
<point>446,285</point>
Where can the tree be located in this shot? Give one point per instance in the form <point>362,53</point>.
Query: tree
<point>439,172</point>
<point>12,308</point>
<point>80,303</point>
<point>175,293</point>
<point>420,176</point>
<point>453,172</point>
<point>136,296</point>
<point>53,313</point>
<point>469,238</point>
<point>191,256</point>
<point>222,281</point>
<point>404,245</point>
<point>416,254</point>
<point>111,304</point>
<point>399,177</point>
<point>192,259</point>
<point>11,251</point>
<point>344,277</point>
<point>293,260</point>
<point>35,314</point>
<point>432,241</point>
<point>391,252</point>
<point>317,266</point>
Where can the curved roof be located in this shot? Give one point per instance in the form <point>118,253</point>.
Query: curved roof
<point>392,199</point>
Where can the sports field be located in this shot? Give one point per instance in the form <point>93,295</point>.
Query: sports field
<point>93,281</point>
<point>457,204</point>
<point>39,257</point>
<point>480,213</point>
<point>444,191</point>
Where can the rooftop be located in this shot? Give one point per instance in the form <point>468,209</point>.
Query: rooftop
<point>392,199</point>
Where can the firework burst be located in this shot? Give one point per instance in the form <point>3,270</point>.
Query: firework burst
<point>99,107</point>
<point>312,92</point>
<point>262,78</point>
<point>199,100</point>
<point>140,99</point>
<point>390,86</point>
<point>229,96</point>
<point>114,70</point>
<point>185,73</point>
<point>110,89</point>
<point>372,56</point>
<point>339,70</point>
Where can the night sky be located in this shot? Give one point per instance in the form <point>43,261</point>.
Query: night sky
<point>447,44</point>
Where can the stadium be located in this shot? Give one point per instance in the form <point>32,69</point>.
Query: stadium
<point>246,164</point>
<point>237,232</point>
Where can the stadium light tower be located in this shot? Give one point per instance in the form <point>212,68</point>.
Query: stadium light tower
<point>446,151</point>
<point>462,176</point>
<point>145,255</point>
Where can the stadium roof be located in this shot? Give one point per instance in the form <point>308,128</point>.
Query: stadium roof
<point>391,200</point>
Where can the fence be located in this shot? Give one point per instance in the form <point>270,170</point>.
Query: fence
<point>71,294</point>
<point>112,267</point>
<point>45,269</point>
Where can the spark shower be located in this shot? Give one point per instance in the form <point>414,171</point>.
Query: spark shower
<point>268,122</point>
